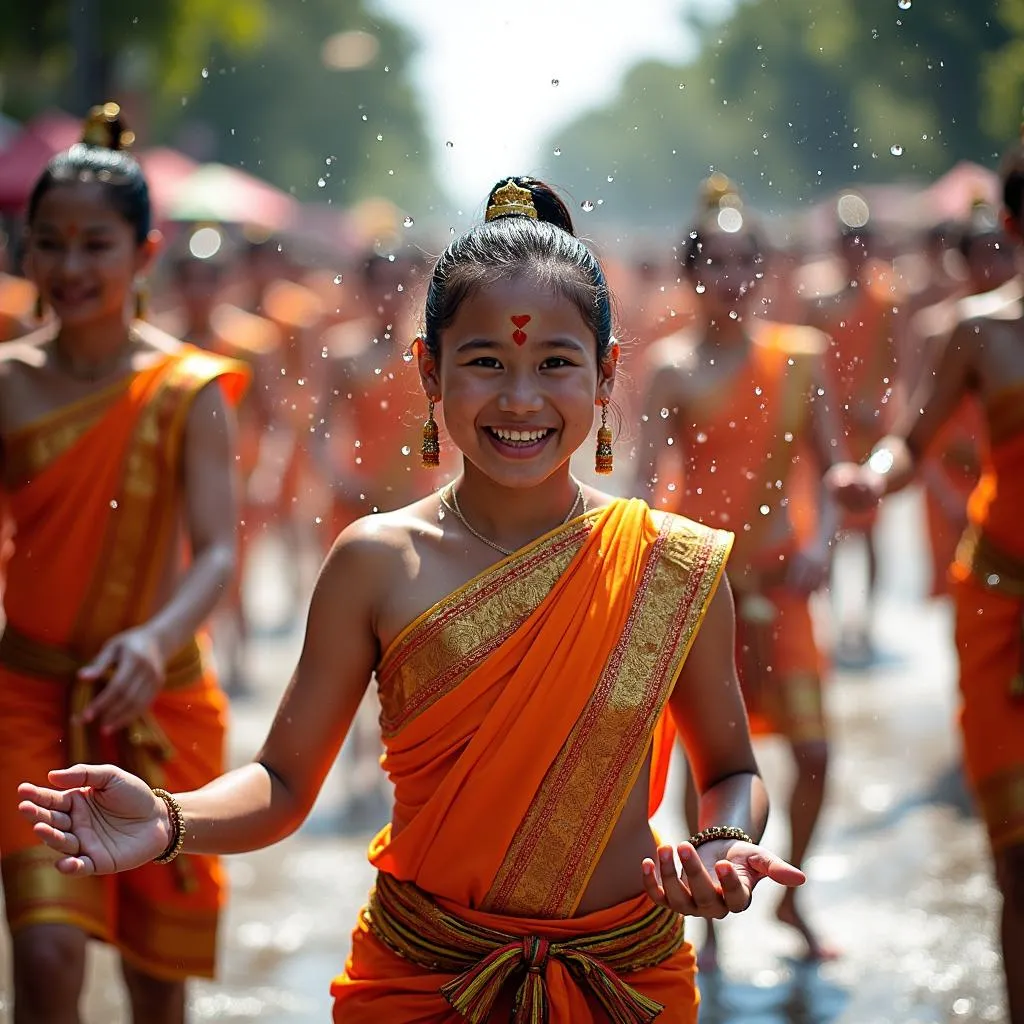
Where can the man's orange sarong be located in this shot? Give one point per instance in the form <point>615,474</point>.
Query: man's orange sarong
<point>988,588</point>
<point>517,715</point>
<point>747,470</point>
<point>95,491</point>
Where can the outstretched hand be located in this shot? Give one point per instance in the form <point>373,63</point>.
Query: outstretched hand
<point>716,880</point>
<point>853,487</point>
<point>100,817</point>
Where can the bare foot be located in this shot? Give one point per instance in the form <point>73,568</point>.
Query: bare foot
<point>788,914</point>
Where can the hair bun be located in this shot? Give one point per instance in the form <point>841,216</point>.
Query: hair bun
<point>546,204</point>
<point>104,128</point>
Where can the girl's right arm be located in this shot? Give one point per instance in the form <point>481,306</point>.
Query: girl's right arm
<point>103,819</point>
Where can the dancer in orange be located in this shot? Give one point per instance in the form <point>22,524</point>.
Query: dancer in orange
<point>863,321</point>
<point>202,317</point>
<point>740,401</point>
<point>984,357</point>
<point>110,439</point>
<point>951,469</point>
<point>535,641</point>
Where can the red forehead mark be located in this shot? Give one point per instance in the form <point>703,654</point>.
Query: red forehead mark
<point>520,321</point>
<point>72,231</point>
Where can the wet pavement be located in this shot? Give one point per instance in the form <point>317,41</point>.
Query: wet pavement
<point>899,880</point>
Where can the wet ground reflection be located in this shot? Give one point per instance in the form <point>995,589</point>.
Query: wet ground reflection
<point>798,993</point>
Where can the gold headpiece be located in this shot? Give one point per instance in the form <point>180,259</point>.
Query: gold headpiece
<point>105,129</point>
<point>511,199</point>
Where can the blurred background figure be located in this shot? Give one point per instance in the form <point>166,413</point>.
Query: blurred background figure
<point>736,399</point>
<point>859,310</point>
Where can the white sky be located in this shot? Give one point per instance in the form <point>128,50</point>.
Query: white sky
<point>486,69</point>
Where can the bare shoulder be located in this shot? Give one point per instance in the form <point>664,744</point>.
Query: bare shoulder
<point>381,550</point>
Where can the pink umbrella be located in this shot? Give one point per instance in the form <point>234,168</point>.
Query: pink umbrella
<point>216,192</point>
<point>952,195</point>
<point>23,159</point>
<point>165,170</point>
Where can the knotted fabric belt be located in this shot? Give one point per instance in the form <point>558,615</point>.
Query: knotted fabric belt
<point>148,742</point>
<point>413,926</point>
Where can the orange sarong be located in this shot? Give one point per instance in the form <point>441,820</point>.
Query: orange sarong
<point>747,470</point>
<point>517,715</point>
<point>95,494</point>
<point>988,588</point>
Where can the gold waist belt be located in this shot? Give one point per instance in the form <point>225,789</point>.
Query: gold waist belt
<point>989,565</point>
<point>413,926</point>
<point>148,745</point>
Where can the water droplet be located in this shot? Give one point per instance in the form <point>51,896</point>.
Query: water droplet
<point>587,205</point>
<point>324,353</point>
<point>764,510</point>
<point>449,145</point>
<point>611,178</point>
<point>113,504</point>
<point>408,222</point>
<point>380,138</point>
<point>700,289</point>
<point>365,118</point>
<point>701,438</point>
<point>406,450</point>
<point>554,81</point>
<point>206,72</point>
<point>904,5</point>
<point>896,150</point>
<point>321,182</point>
<point>992,579</point>
<point>664,414</point>
<point>407,356</point>
<point>557,150</point>
<point>338,278</point>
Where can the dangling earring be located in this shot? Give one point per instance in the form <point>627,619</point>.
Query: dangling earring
<point>604,458</point>
<point>141,300</point>
<point>430,449</point>
<point>38,309</point>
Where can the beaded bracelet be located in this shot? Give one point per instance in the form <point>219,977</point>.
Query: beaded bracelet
<point>177,822</point>
<point>715,832</point>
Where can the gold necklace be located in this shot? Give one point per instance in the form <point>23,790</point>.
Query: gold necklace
<point>453,507</point>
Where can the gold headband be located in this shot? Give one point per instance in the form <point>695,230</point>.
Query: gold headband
<point>511,199</point>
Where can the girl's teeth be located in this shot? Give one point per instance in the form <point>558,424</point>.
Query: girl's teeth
<point>520,435</point>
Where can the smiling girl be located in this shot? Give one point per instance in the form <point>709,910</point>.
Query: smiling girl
<point>116,456</point>
<point>536,643</point>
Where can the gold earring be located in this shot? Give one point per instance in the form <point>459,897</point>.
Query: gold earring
<point>604,458</point>
<point>38,309</point>
<point>430,449</point>
<point>141,300</point>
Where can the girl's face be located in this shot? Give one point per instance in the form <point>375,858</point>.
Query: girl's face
<point>729,267</point>
<point>519,378</point>
<point>83,255</point>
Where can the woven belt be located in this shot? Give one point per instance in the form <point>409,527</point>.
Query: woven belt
<point>413,926</point>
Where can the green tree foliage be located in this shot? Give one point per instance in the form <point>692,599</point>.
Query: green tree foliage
<point>312,95</point>
<point>283,112</point>
<point>44,43</point>
<point>795,99</point>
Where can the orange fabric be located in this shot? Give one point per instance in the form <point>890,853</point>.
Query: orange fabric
<point>378,985</point>
<point>781,669</point>
<point>861,364</point>
<point>956,455</point>
<point>996,501</point>
<point>96,500</point>
<point>17,306</point>
<point>742,446</point>
<point>162,918</point>
<point>989,644</point>
<point>502,726</point>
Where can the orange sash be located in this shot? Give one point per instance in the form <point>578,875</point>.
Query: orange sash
<point>519,711</point>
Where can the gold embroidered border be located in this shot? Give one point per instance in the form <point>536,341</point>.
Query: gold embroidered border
<point>559,842</point>
<point>168,941</point>
<point>440,649</point>
<point>140,527</point>
<point>30,449</point>
<point>1002,807</point>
